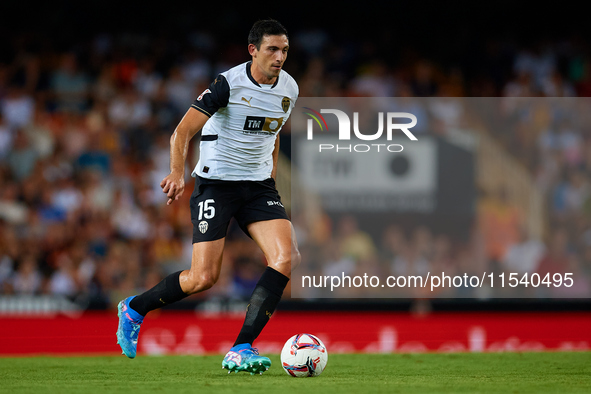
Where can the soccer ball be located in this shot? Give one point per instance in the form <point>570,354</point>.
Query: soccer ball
<point>304,355</point>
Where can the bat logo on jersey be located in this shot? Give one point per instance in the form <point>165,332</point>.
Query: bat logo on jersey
<point>262,125</point>
<point>203,226</point>
<point>285,104</point>
<point>202,94</point>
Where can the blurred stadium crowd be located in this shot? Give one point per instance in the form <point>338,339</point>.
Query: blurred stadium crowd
<point>84,135</point>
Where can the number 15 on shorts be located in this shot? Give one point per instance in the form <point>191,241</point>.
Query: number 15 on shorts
<point>206,209</point>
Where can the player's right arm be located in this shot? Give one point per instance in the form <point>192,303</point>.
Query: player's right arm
<point>174,183</point>
<point>207,104</point>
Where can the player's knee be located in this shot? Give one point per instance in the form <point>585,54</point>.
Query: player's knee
<point>201,281</point>
<point>285,263</point>
<point>296,258</point>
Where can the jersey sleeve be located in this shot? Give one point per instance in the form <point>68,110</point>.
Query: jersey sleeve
<point>214,97</point>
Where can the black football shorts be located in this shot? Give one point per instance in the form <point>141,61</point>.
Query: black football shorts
<point>215,202</point>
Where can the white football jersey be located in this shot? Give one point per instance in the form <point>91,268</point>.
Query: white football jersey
<point>237,141</point>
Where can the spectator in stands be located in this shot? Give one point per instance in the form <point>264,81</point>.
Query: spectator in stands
<point>27,280</point>
<point>524,255</point>
<point>423,81</point>
<point>70,85</point>
<point>63,281</point>
<point>22,158</point>
<point>499,223</point>
<point>354,242</point>
<point>17,107</point>
<point>556,259</point>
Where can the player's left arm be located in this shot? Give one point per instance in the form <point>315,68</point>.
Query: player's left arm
<point>275,157</point>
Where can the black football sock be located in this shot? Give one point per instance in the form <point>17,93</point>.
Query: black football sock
<point>263,301</point>
<point>164,293</point>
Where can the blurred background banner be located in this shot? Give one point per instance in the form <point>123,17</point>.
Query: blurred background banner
<point>389,173</point>
<point>439,208</point>
<point>361,181</point>
<point>373,332</point>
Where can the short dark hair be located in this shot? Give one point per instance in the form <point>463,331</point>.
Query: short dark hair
<point>266,27</point>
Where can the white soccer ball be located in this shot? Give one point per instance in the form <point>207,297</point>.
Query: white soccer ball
<point>304,355</point>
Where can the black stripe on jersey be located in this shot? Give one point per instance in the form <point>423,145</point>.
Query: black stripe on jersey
<point>252,79</point>
<point>216,96</point>
<point>209,137</point>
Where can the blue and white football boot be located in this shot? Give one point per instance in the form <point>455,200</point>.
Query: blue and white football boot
<point>129,328</point>
<point>245,358</point>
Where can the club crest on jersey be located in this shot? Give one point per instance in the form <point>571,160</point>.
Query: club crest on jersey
<point>203,226</point>
<point>285,104</point>
<point>202,94</point>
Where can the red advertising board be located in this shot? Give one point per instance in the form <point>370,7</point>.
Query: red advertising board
<point>372,332</point>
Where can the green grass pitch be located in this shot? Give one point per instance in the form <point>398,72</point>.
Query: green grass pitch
<point>345,373</point>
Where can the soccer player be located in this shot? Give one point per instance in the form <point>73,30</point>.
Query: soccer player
<point>240,114</point>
